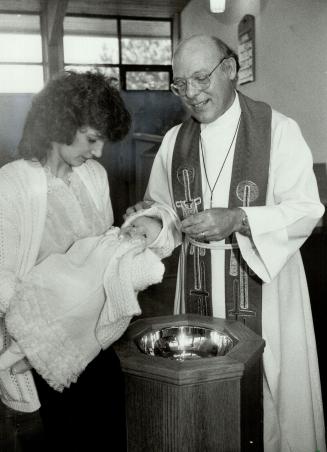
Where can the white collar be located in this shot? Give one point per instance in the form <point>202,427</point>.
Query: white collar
<point>227,119</point>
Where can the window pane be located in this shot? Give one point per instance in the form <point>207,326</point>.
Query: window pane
<point>147,80</point>
<point>146,51</point>
<point>20,48</point>
<point>90,26</point>
<point>108,71</point>
<point>145,28</point>
<point>146,42</point>
<point>20,79</point>
<point>90,50</point>
<point>20,23</point>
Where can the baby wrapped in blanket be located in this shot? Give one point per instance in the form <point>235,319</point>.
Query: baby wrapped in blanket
<point>71,305</point>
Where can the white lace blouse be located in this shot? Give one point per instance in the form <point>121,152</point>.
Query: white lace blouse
<point>71,215</point>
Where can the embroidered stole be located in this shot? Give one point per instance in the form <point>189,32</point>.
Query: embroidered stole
<point>243,289</point>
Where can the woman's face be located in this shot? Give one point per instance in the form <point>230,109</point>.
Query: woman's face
<point>88,143</point>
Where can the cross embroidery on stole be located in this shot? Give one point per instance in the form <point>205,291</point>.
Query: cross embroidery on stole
<point>246,192</point>
<point>188,205</point>
<point>198,297</point>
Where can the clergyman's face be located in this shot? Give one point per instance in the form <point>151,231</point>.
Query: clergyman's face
<point>202,55</point>
<point>88,143</point>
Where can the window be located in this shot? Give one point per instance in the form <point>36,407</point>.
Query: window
<point>91,43</point>
<point>139,80</point>
<point>21,69</point>
<point>145,42</point>
<point>137,53</point>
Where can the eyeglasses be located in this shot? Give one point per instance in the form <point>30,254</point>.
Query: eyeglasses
<point>199,81</point>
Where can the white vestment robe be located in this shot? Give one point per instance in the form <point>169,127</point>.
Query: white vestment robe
<point>293,412</point>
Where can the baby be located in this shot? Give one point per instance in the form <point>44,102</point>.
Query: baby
<point>71,305</point>
<point>144,227</point>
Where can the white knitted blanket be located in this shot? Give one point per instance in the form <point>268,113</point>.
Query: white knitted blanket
<point>72,305</point>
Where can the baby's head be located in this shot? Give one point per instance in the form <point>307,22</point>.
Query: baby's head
<point>144,227</point>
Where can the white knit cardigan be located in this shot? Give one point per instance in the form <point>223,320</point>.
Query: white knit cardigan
<point>23,207</point>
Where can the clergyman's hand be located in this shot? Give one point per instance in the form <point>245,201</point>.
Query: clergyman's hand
<point>214,224</point>
<point>138,206</point>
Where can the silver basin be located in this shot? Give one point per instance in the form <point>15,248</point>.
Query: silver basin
<point>185,342</point>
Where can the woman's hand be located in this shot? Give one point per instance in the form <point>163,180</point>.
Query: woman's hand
<point>13,358</point>
<point>138,206</point>
<point>22,366</point>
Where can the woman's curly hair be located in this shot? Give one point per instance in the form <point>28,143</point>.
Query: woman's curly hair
<point>68,102</point>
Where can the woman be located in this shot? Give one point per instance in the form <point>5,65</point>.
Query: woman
<point>51,197</point>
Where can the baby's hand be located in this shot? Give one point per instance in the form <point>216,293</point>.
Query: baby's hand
<point>127,232</point>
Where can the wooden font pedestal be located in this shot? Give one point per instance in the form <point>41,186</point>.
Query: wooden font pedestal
<point>208,404</point>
